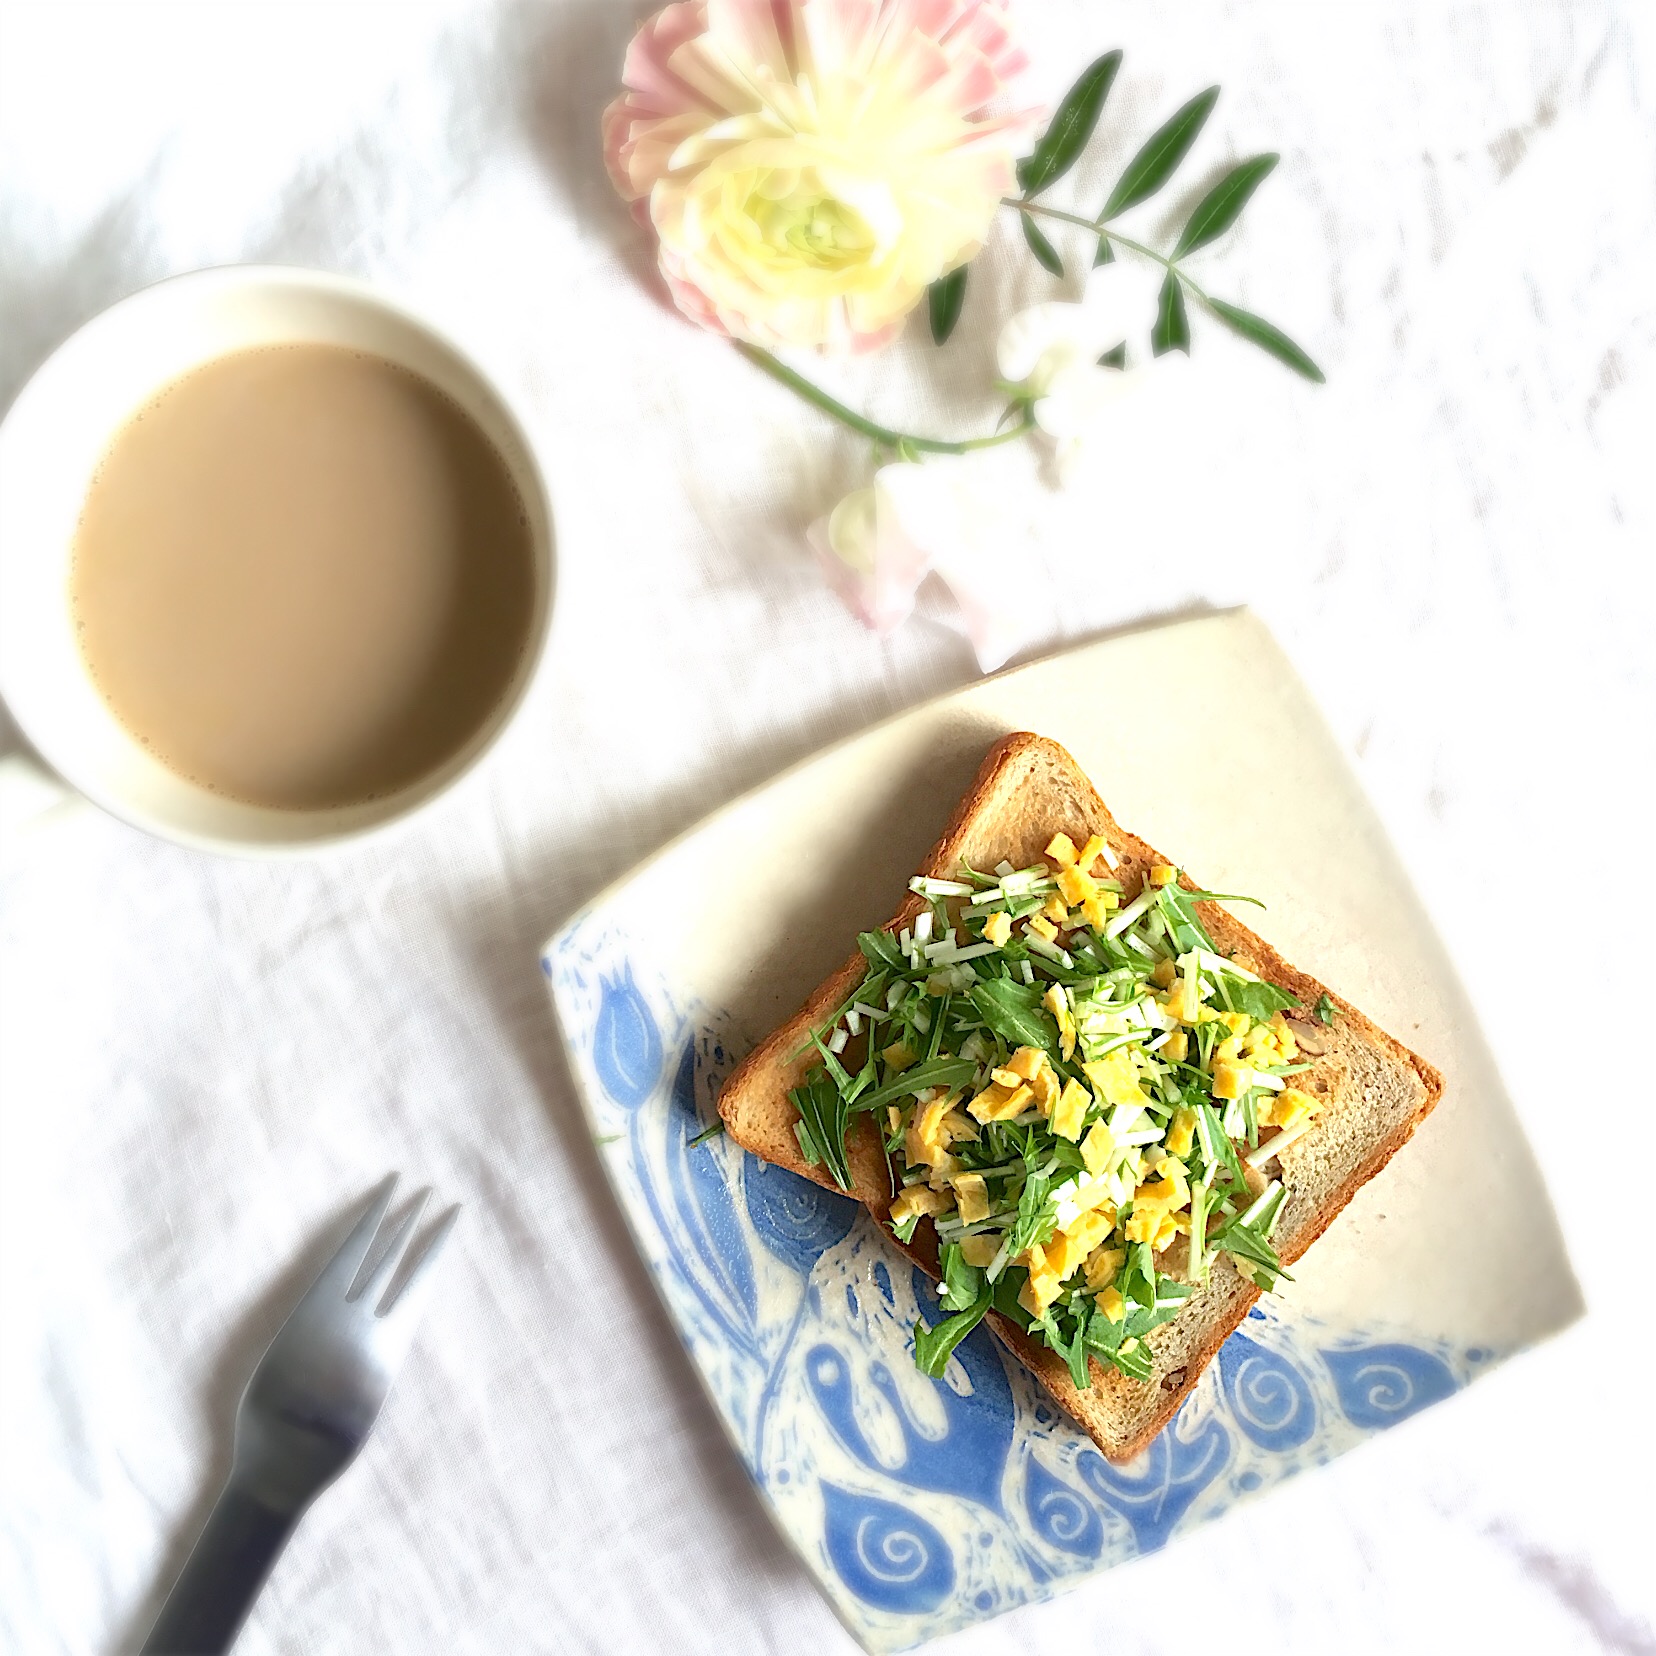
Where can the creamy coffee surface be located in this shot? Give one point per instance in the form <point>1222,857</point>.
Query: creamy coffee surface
<point>302,577</point>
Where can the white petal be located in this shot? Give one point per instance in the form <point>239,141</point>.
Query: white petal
<point>1027,336</point>
<point>1078,400</point>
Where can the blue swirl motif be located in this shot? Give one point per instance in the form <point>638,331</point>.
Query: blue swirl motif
<point>1060,1515</point>
<point>626,1045</point>
<point>1155,1491</point>
<point>1269,1398</point>
<point>968,1459</point>
<point>709,1221</point>
<point>796,1219</point>
<point>1379,1385</point>
<point>888,1556</point>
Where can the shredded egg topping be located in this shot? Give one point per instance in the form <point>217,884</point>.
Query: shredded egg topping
<point>1077,1089</point>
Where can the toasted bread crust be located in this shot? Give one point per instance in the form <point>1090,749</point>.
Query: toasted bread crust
<point>1121,1415</point>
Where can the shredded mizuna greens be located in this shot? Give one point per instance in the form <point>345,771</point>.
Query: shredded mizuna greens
<point>1076,1089</point>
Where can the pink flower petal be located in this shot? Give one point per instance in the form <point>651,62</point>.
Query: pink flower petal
<point>647,71</point>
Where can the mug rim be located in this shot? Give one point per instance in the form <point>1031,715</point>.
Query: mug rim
<point>416,797</point>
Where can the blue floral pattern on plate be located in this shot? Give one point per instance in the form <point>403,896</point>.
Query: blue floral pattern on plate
<point>921,1505</point>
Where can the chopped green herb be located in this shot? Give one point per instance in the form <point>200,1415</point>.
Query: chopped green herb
<point>1220,1139</point>
<point>1260,1000</point>
<point>1326,1010</point>
<point>952,1023</point>
<point>939,1024</point>
<point>934,1346</point>
<point>707,1133</point>
<point>880,948</point>
<point>962,1283</point>
<point>823,1116</point>
<point>841,1077</point>
<point>938,1072</point>
<point>1067,1335</point>
<point>1014,1012</point>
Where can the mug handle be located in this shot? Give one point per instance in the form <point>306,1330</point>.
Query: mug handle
<point>30,797</point>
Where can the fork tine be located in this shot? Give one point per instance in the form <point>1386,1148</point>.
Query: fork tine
<point>406,1303</point>
<point>370,1290</point>
<point>340,1271</point>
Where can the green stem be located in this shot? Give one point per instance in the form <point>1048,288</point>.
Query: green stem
<point>884,435</point>
<point>1100,227</point>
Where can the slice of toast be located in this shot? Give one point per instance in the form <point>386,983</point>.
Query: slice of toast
<point>1376,1090</point>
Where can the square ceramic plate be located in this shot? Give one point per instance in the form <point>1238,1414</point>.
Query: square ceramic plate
<point>922,1506</point>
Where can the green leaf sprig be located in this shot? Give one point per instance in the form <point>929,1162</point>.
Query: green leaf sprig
<point>1150,169</point>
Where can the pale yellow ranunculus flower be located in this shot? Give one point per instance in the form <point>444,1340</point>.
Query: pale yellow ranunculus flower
<point>809,167</point>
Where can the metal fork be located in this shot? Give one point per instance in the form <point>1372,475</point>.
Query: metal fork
<point>306,1412</point>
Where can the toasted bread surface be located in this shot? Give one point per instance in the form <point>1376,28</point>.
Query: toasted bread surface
<point>1377,1091</point>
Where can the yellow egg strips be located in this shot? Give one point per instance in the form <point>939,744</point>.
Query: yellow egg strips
<point>1129,1193</point>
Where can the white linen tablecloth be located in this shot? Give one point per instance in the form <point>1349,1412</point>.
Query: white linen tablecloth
<point>207,1062</point>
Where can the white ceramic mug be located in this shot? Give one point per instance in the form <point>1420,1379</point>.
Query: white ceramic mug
<point>51,442</point>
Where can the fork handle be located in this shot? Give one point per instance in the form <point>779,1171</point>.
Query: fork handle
<point>226,1568</point>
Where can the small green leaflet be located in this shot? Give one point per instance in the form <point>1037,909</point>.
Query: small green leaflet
<point>1326,1010</point>
<point>880,948</point>
<point>706,1134</point>
<point>1005,1298</point>
<point>807,1142</point>
<point>940,1022</point>
<point>943,301</point>
<point>1045,253</point>
<point>1260,1000</point>
<point>1073,1347</point>
<point>1137,1282</point>
<point>962,1283</point>
<point>939,1072</point>
<point>1268,338</point>
<point>1114,359</point>
<point>1178,908</point>
<point>1104,1341</point>
<point>1220,1140</point>
<point>1103,1336</point>
<point>1013,1011</point>
<point>868,992</point>
<point>1222,206</point>
<point>1172,329</point>
<point>840,1075</point>
<point>1142,1318</point>
<point>823,1115</point>
<point>1245,1243</point>
<point>905,1231</point>
<point>1135,1364</point>
<point>1159,159</point>
<point>1063,141</point>
<point>1037,1211</point>
<point>1104,254</point>
<point>1069,1155</point>
<point>1222,897</point>
<point>934,1346</point>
